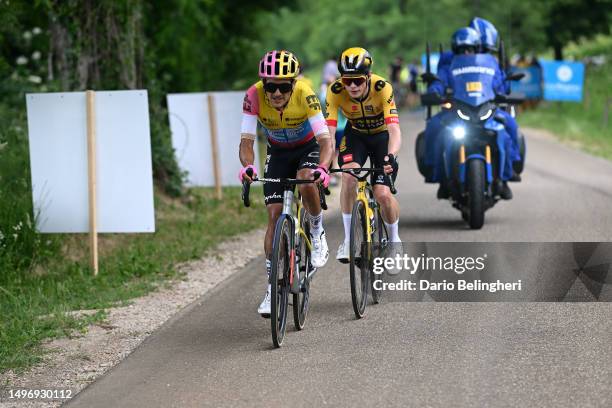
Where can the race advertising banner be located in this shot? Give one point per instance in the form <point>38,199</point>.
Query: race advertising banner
<point>563,81</point>
<point>530,85</point>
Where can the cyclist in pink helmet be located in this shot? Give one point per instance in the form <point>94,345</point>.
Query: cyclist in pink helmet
<point>298,144</point>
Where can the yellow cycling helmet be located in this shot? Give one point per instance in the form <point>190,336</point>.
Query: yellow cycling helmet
<point>279,64</point>
<point>355,61</point>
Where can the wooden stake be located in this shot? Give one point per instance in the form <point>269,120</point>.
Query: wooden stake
<point>215,147</point>
<point>91,168</point>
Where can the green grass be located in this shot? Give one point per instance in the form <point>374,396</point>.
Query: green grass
<point>581,123</point>
<point>34,301</point>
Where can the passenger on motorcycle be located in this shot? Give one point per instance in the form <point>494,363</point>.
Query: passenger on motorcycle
<point>488,44</point>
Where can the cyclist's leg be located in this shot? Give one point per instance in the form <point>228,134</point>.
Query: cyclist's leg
<point>309,161</point>
<point>277,166</point>
<point>353,154</point>
<point>389,205</point>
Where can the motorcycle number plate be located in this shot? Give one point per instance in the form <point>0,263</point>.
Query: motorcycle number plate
<point>473,86</point>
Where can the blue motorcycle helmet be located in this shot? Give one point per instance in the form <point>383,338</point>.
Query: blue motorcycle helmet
<point>487,32</point>
<point>465,39</point>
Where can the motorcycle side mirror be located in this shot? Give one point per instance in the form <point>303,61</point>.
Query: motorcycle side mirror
<point>429,77</point>
<point>517,76</point>
<point>514,99</point>
<point>431,98</point>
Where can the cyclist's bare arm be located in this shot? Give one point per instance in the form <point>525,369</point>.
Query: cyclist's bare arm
<point>327,151</point>
<point>247,152</point>
<point>395,138</point>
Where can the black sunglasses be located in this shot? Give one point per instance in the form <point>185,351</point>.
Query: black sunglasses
<point>283,87</point>
<point>358,81</point>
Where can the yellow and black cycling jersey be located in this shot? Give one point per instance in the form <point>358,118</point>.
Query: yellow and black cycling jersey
<point>369,115</point>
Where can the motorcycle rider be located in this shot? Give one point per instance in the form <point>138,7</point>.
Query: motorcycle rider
<point>464,41</point>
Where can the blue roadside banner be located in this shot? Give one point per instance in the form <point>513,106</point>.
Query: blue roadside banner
<point>563,80</point>
<point>530,85</point>
<point>434,57</point>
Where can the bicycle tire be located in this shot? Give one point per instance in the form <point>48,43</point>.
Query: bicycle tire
<point>379,244</point>
<point>359,259</point>
<point>279,279</point>
<point>301,301</point>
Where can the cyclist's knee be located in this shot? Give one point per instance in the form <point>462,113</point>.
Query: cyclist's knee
<point>274,211</point>
<point>307,189</point>
<point>304,174</point>
<point>383,196</point>
<point>348,181</point>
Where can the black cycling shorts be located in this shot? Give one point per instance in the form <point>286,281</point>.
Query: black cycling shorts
<point>285,163</point>
<point>356,147</point>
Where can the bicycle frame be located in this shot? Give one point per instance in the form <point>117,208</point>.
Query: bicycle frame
<point>362,187</point>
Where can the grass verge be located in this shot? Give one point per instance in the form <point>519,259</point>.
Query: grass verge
<point>34,302</point>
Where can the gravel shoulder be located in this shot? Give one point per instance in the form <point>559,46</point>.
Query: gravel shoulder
<point>73,363</point>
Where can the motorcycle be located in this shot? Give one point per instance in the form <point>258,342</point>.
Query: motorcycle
<point>474,138</point>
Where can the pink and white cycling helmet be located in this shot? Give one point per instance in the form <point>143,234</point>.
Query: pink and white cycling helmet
<point>279,64</point>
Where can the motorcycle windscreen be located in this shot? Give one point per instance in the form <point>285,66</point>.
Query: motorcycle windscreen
<point>472,78</point>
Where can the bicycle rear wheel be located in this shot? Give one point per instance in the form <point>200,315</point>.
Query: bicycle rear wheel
<point>359,259</point>
<point>380,240</point>
<point>279,279</point>
<point>301,300</point>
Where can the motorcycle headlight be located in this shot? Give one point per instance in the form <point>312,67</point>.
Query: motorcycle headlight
<point>459,132</point>
<point>462,115</point>
<point>487,115</point>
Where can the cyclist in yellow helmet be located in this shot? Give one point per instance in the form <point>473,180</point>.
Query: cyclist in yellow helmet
<point>372,130</point>
<point>298,144</point>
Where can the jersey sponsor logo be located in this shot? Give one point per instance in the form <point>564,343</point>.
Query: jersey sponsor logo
<point>379,85</point>
<point>354,107</point>
<point>337,87</point>
<point>246,104</point>
<point>347,158</point>
<point>313,102</point>
<point>390,100</point>
<point>342,144</point>
<point>369,108</point>
<point>392,119</point>
<point>314,154</point>
<point>369,122</point>
<point>309,164</point>
<point>272,196</point>
<point>473,70</point>
<point>393,111</point>
<point>267,162</point>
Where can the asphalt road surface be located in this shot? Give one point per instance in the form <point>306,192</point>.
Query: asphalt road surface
<point>218,352</point>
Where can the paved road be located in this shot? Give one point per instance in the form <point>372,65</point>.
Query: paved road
<point>218,352</point>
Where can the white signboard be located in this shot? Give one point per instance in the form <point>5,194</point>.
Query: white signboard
<point>191,135</point>
<point>57,125</point>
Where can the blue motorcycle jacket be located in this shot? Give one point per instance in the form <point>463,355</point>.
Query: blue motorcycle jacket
<point>500,85</point>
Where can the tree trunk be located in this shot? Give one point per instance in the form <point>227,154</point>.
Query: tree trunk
<point>558,51</point>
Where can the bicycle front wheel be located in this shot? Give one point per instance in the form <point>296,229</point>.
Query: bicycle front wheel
<point>301,300</point>
<point>279,279</point>
<point>380,240</point>
<point>359,259</point>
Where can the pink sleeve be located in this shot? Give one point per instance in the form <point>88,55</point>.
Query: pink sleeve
<point>318,125</point>
<point>250,106</point>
